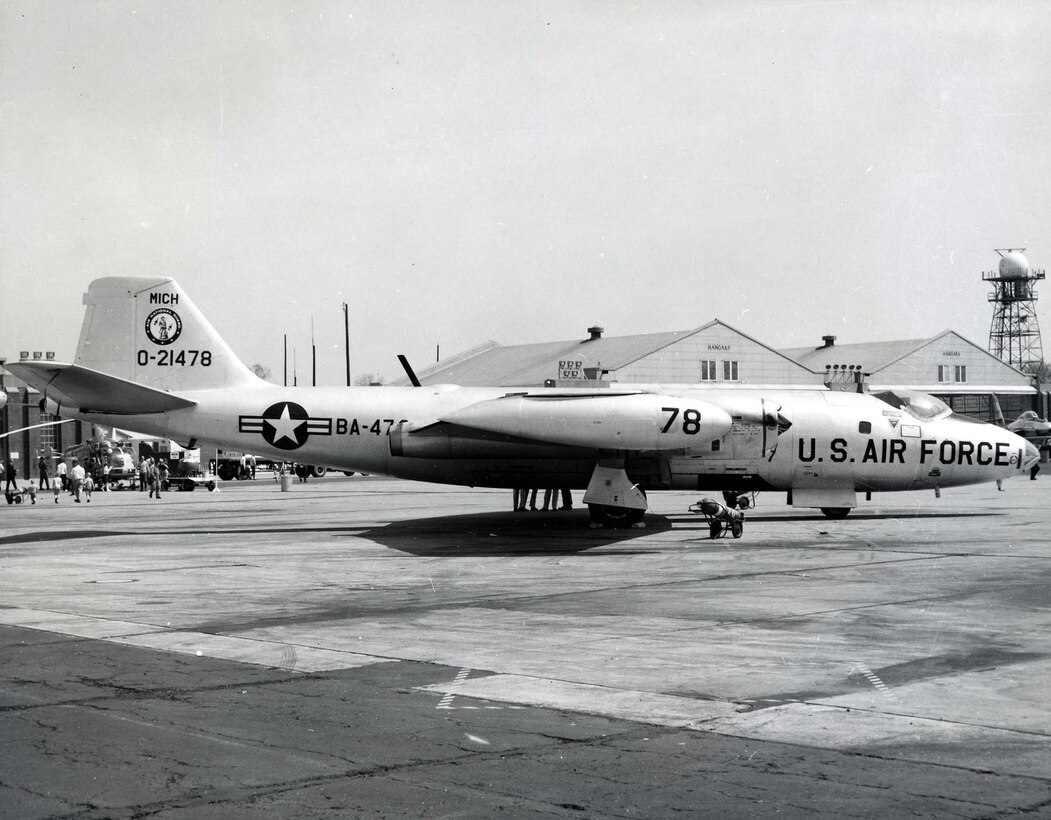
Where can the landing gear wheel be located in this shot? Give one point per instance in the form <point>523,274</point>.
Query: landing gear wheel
<point>835,512</point>
<point>188,485</point>
<point>348,472</point>
<point>615,517</point>
<point>211,486</point>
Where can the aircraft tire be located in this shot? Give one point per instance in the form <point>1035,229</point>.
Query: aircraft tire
<point>348,472</point>
<point>188,485</point>
<point>318,472</point>
<point>211,486</point>
<point>835,512</point>
<point>615,517</point>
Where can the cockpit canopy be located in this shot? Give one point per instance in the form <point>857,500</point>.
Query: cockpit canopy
<point>920,405</point>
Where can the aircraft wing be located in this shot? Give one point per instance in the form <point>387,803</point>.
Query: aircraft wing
<point>604,420</point>
<point>89,391</point>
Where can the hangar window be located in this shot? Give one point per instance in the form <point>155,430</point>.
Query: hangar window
<point>943,372</point>
<point>961,373</point>
<point>708,371</point>
<point>729,371</point>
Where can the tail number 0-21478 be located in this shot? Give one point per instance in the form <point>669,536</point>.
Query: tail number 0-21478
<point>175,358</point>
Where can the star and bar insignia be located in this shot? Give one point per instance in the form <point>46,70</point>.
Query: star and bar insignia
<point>285,425</point>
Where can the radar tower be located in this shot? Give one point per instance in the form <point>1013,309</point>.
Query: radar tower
<point>1014,336</point>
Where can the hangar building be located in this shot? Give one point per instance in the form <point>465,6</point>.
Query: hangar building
<point>714,352</point>
<point>949,366</point>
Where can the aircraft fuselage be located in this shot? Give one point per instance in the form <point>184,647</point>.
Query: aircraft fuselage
<point>835,441</point>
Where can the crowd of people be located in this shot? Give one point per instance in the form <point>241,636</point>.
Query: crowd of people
<point>525,499</point>
<point>80,480</point>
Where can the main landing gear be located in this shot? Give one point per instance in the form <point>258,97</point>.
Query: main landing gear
<point>606,515</point>
<point>613,499</point>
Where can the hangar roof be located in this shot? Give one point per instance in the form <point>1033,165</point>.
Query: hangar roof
<point>876,356</point>
<point>530,364</point>
<point>872,356</point>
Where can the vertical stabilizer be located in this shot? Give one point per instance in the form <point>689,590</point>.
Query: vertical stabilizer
<point>146,330</point>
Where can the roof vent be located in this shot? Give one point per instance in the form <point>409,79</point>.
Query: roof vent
<point>829,341</point>
<point>596,332</point>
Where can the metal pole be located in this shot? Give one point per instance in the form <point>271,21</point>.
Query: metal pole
<point>346,339</point>
<point>286,360</point>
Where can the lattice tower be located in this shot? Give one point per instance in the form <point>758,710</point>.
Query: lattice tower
<point>1014,336</point>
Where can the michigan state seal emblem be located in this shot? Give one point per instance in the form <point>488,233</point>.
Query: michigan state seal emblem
<point>163,326</point>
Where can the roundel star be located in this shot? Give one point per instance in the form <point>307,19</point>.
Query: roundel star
<point>285,426</point>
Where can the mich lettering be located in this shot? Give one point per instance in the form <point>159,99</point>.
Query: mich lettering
<point>164,298</point>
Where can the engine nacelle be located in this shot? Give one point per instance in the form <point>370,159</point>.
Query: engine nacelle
<point>634,421</point>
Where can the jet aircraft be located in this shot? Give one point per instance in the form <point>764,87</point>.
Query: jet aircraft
<point>1030,426</point>
<point>149,360</point>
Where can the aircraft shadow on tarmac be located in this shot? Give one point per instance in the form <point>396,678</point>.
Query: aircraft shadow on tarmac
<point>855,516</point>
<point>506,533</point>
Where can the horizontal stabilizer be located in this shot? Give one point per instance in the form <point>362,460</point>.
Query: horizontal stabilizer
<point>83,390</point>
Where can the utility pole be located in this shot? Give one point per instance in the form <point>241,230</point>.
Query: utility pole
<point>346,340</point>
<point>286,360</point>
<point>313,355</point>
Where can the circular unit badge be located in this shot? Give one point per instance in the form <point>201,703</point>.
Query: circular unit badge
<point>163,326</point>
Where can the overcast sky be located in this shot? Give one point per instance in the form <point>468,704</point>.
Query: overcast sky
<point>518,171</point>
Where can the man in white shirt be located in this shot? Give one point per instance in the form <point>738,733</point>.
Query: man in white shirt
<point>60,471</point>
<point>76,475</point>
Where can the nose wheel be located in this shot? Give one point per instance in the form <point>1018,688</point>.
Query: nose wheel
<point>739,501</point>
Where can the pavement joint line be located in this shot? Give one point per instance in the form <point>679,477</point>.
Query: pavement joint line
<point>292,657</point>
<point>528,691</point>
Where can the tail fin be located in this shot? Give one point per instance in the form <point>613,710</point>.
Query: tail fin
<point>146,330</point>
